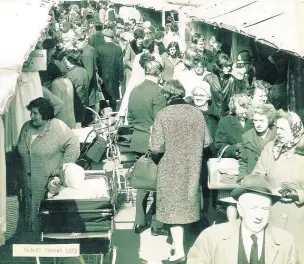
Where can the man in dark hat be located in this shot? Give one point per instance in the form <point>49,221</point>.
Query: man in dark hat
<point>110,68</point>
<point>249,239</point>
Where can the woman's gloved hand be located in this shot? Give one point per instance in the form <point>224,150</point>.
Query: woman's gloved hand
<point>289,195</point>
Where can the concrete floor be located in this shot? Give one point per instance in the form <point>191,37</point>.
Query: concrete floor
<point>131,248</point>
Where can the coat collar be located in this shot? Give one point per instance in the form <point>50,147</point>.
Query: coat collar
<point>231,241</point>
<point>177,101</point>
<point>173,62</point>
<point>134,47</point>
<point>27,133</point>
<point>255,143</point>
<point>236,123</point>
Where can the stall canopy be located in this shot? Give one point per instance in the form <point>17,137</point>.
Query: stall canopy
<point>159,5</point>
<point>22,23</point>
<point>278,23</point>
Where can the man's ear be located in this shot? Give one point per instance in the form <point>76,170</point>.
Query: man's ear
<point>240,209</point>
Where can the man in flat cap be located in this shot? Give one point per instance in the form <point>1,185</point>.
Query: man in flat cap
<point>250,239</point>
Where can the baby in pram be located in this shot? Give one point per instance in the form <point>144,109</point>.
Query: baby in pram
<point>72,184</point>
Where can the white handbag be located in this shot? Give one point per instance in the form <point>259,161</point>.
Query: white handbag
<point>222,172</point>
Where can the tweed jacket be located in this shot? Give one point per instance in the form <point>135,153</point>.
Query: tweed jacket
<point>179,133</point>
<point>46,154</point>
<point>219,244</point>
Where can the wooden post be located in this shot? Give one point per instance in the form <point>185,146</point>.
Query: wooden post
<point>164,14</point>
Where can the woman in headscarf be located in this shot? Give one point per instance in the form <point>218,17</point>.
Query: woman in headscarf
<point>282,163</point>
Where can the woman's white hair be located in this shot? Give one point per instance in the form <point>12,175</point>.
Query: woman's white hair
<point>202,85</point>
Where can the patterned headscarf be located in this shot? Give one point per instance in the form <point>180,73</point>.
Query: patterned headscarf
<point>297,128</point>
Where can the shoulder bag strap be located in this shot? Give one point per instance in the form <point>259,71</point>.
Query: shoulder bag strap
<point>222,153</point>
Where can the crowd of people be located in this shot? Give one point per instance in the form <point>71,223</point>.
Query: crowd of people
<point>185,104</point>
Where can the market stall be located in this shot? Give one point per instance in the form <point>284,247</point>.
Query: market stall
<point>23,24</point>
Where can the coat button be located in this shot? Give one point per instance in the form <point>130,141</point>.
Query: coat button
<point>284,216</point>
<point>28,174</point>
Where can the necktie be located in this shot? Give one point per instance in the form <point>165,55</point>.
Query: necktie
<point>254,255</point>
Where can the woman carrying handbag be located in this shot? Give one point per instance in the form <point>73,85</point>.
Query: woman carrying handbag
<point>145,102</point>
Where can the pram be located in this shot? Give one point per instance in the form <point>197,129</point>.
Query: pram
<point>117,152</point>
<point>82,219</point>
<point>86,219</point>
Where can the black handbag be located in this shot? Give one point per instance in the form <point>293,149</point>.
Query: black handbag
<point>143,174</point>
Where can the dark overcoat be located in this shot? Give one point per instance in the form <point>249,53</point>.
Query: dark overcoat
<point>252,146</point>
<point>145,102</point>
<point>110,69</point>
<point>180,134</point>
<point>229,133</point>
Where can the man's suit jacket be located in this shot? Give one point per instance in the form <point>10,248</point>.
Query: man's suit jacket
<point>145,102</point>
<point>219,244</point>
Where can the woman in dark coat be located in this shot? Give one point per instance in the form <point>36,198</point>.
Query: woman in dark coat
<point>229,134</point>
<point>224,84</point>
<point>201,98</point>
<point>178,177</point>
<point>254,140</point>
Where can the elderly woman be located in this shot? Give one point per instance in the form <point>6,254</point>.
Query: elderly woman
<point>201,97</point>
<point>145,102</point>
<point>229,135</point>
<point>259,92</point>
<point>170,59</point>
<point>254,140</point>
<point>282,163</point>
<point>178,177</point>
<point>45,144</point>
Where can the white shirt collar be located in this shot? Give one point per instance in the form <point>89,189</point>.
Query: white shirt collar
<point>247,241</point>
